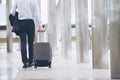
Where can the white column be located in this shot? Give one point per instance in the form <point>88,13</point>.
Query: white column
<point>115,38</point>
<point>82,38</point>
<point>9,33</point>
<point>99,34</point>
<point>58,24</point>
<point>66,27</point>
<point>52,35</point>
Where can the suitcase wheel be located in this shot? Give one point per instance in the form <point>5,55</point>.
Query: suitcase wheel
<point>35,65</point>
<point>49,66</point>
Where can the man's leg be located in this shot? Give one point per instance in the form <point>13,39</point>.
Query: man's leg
<point>23,47</point>
<point>31,36</point>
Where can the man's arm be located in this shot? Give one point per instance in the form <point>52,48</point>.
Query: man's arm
<point>13,9</point>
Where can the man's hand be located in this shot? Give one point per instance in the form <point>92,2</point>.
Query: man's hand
<point>41,29</point>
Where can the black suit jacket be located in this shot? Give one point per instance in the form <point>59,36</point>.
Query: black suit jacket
<point>15,23</point>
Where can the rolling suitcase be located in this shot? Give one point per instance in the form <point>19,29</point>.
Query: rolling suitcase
<point>42,54</point>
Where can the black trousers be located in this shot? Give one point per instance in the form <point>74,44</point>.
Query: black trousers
<point>27,35</point>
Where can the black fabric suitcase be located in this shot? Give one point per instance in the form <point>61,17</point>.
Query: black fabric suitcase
<point>42,54</point>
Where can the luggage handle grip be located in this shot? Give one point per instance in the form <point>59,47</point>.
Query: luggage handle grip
<point>41,31</point>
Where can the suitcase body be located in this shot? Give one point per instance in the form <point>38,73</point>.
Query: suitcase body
<point>42,54</point>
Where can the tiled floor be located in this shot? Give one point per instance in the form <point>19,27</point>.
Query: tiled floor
<point>7,70</point>
<point>62,69</point>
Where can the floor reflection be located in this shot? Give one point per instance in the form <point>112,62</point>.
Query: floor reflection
<point>7,70</point>
<point>8,73</point>
<point>62,69</point>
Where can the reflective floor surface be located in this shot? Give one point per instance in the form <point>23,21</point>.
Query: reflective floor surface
<point>62,69</point>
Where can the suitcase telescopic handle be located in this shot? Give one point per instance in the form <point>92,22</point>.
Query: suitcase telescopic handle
<point>42,36</point>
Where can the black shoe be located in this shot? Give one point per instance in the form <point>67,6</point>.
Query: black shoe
<point>25,66</point>
<point>30,65</point>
